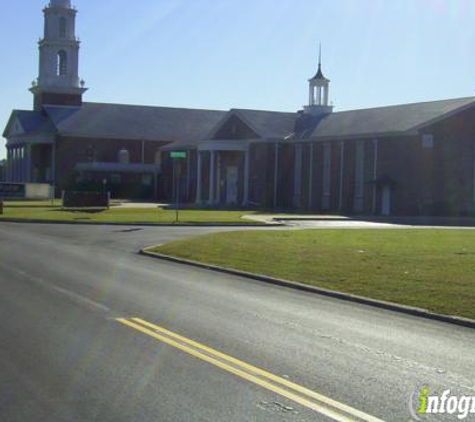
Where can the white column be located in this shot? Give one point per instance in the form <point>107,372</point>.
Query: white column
<point>375,172</point>
<point>218,177</point>
<point>9,164</point>
<point>28,163</point>
<point>212,177</point>
<point>342,174</point>
<point>198,179</point>
<point>23,164</point>
<point>310,179</point>
<point>276,175</point>
<point>15,164</point>
<point>12,164</point>
<point>53,164</point>
<point>246,178</point>
<point>188,175</point>
<point>326,95</point>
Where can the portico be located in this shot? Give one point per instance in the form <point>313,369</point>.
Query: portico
<point>30,161</point>
<point>223,173</point>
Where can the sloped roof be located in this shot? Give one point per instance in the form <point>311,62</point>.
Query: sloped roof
<point>319,75</point>
<point>399,119</point>
<point>268,124</point>
<point>187,127</point>
<point>31,122</point>
<point>119,121</point>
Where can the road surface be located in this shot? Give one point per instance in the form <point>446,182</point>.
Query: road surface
<point>91,331</point>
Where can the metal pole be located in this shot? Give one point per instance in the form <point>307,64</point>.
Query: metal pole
<point>177,184</point>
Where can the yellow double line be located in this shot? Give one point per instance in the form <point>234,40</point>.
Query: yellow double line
<point>285,388</point>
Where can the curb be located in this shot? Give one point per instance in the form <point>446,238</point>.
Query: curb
<point>96,223</point>
<point>408,310</point>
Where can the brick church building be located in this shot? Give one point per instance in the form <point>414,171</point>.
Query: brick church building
<point>410,159</point>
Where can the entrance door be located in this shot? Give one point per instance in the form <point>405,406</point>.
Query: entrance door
<point>232,185</point>
<point>386,201</point>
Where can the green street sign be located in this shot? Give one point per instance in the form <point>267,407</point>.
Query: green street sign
<point>178,154</point>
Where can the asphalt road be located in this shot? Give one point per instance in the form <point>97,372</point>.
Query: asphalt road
<point>71,350</point>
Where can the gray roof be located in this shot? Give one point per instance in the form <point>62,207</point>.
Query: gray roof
<point>187,127</point>
<point>268,124</point>
<point>118,121</point>
<point>31,121</point>
<point>399,119</point>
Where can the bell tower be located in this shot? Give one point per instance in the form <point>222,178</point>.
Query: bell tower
<point>319,92</point>
<point>58,82</point>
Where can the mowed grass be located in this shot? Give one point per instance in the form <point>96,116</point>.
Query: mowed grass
<point>44,203</point>
<point>432,269</point>
<point>122,215</point>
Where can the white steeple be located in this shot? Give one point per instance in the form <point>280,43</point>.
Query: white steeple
<point>60,4</point>
<point>319,92</point>
<point>58,81</point>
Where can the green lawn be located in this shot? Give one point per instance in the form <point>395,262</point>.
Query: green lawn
<point>122,215</point>
<point>432,269</point>
<point>32,204</point>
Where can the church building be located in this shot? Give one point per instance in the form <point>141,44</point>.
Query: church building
<point>412,159</point>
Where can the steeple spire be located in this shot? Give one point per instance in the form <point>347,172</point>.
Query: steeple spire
<point>319,74</point>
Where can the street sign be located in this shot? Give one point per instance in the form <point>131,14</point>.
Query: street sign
<point>178,154</point>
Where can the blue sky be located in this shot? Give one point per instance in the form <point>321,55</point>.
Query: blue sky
<point>258,54</point>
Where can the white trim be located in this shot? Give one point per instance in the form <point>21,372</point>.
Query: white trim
<point>31,139</point>
<point>224,145</point>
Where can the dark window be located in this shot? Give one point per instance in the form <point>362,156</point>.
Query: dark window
<point>62,67</point>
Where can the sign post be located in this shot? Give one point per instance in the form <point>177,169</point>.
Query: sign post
<point>177,156</point>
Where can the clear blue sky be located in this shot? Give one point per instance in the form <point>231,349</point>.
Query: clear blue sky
<point>257,54</point>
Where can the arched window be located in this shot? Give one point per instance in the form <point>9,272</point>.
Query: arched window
<point>62,67</point>
<point>63,24</point>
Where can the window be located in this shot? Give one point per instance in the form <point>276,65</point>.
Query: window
<point>63,24</point>
<point>115,178</point>
<point>124,156</point>
<point>62,66</point>
<point>158,158</point>
<point>147,179</point>
<point>427,141</point>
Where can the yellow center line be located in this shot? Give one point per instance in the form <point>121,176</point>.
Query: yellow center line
<point>146,328</point>
<point>261,372</point>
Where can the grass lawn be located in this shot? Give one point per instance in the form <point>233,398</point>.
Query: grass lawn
<point>32,204</point>
<point>432,269</point>
<point>121,215</point>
